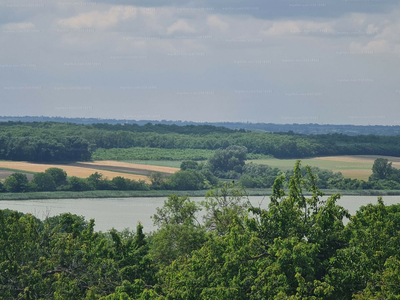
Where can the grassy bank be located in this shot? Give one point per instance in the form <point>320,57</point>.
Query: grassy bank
<point>164,193</point>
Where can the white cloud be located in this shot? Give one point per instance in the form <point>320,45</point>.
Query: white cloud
<point>297,27</point>
<point>100,19</point>
<point>19,26</point>
<point>180,25</point>
<point>215,22</point>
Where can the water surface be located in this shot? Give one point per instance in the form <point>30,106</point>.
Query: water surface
<point>120,213</point>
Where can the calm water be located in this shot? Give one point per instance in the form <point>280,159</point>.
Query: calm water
<point>123,213</point>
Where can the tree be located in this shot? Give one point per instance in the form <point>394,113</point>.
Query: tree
<point>224,206</point>
<point>189,164</point>
<point>283,252</point>
<point>16,183</point>
<point>78,184</point>
<point>59,176</point>
<point>231,159</point>
<point>44,182</point>
<point>120,183</point>
<point>95,180</point>
<point>179,230</point>
<point>381,169</point>
<point>157,180</point>
<point>186,180</point>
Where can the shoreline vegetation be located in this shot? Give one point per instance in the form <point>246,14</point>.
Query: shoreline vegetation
<point>166,193</point>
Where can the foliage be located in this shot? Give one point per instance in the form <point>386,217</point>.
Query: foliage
<point>59,175</point>
<point>78,184</point>
<point>44,182</point>
<point>224,206</point>
<point>146,153</point>
<point>157,180</point>
<point>179,230</point>
<point>189,164</point>
<point>226,163</point>
<point>16,183</point>
<point>50,141</point>
<point>298,248</point>
<point>187,180</point>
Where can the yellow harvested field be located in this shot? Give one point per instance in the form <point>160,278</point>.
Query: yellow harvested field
<point>70,169</point>
<point>113,163</point>
<point>359,158</point>
<point>351,166</point>
<point>355,174</point>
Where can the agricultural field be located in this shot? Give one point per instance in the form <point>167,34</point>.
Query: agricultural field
<point>118,166</point>
<point>162,163</point>
<point>4,173</point>
<point>158,154</point>
<point>109,169</point>
<point>353,166</point>
<point>144,153</point>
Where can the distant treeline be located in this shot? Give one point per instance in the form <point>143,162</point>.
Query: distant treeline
<point>310,128</point>
<point>50,141</point>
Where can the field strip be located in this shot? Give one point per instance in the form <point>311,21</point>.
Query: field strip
<point>351,166</point>
<point>355,174</point>
<point>167,170</point>
<point>71,170</point>
<point>359,158</point>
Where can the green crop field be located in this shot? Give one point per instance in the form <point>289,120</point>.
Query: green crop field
<point>158,154</point>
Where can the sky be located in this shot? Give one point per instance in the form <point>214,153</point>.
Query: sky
<point>304,61</point>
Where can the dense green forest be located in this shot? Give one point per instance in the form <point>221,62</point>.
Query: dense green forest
<point>65,141</point>
<point>299,248</point>
<point>310,128</point>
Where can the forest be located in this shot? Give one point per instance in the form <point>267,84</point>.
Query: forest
<point>50,141</point>
<point>310,128</point>
<point>301,247</point>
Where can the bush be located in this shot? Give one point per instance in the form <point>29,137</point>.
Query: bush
<point>186,180</point>
<point>189,164</point>
<point>78,184</point>
<point>59,175</point>
<point>44,182</point>
<point>16,183</point>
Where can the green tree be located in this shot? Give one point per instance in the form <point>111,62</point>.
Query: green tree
<point>179,230</point>
<point>59,175</point>
<point>120,183</point>
<point>44,182</point>
<point>78,184</point>
<point>16,183</point>
<point>189,164</point>
<point>280,253</point>
<point>186,180</point>
<point>381,169</point>
<point>157,180</point>
<point>95,180</point>
<point>231,159</point>
<point>225,205</point>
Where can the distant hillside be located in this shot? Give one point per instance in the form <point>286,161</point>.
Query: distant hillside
<point>268,127</point>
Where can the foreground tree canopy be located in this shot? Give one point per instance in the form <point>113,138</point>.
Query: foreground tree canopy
<point>301,247</point>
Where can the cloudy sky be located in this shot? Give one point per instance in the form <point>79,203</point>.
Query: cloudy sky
<point>298,61</point>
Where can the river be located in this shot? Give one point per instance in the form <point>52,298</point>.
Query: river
<point>120,213</point>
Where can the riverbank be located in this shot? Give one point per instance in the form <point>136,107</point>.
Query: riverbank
<point>166,193</point>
